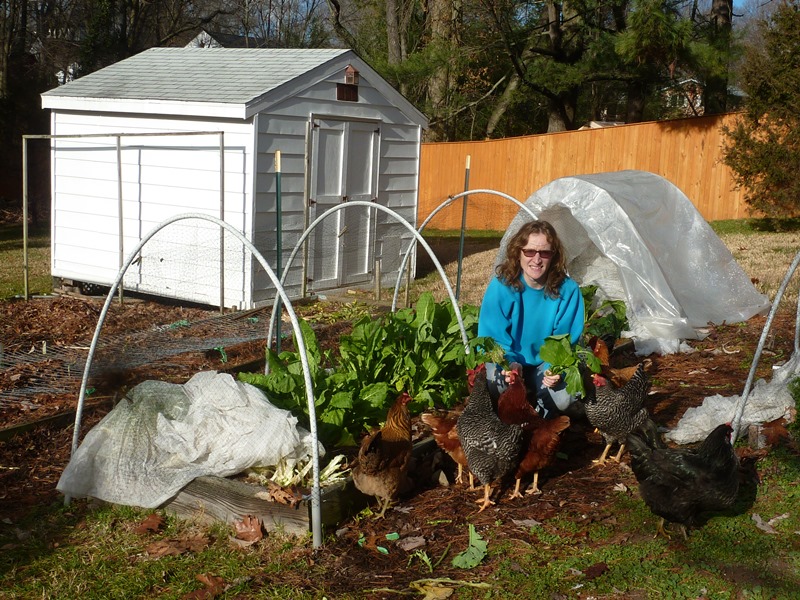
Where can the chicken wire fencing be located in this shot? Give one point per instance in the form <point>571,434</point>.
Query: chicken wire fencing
<point>42,369</point>
<point>177,257</point>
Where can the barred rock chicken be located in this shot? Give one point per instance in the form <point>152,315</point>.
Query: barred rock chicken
<point>445,434</point>
<point>679,484</point>
<point>615,412</point>
<point>492,447</point>
<point>381,469</point>
<point>541,437</point>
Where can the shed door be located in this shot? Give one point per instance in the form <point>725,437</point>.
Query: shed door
<point>344,168</point>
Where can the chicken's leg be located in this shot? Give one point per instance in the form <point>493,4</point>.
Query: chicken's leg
<point>602,459</point>
<point>487,491</point>
<point>515,493</point>
<point>534,489</point>
<point>619,453</point>
<point>384,504</point>
<point>661,531</point>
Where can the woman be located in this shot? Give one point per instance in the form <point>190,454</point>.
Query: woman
<point>531,298</point>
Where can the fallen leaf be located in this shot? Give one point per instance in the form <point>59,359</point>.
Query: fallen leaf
<point>526,523</point>
<point>248,529</point>
<point>152,524</point>
<point>176,546</point>
<point>434,591</point>
<point>595,570</point>
<point>766,527</point>
<point>214,586</point>
<point>411,543</point>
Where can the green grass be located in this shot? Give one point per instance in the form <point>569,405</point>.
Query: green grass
<point>474,234</point>
<point>753,226</point>
<point>12,279</point>
<point>87,553</point>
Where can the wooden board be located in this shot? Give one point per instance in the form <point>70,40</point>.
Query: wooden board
<point>213,499</point>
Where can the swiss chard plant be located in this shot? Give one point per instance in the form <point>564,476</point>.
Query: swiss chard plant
<point>417,350</point>
<point>606,319</point>
<point>564,358</point>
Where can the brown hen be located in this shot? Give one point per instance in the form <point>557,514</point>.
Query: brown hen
<point>445,434</point>
<point>618,376</point>
<point>381,469</point>
<point>541,437</point>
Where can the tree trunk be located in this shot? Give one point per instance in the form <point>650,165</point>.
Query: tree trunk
<point>634,110</point>
<point>502,104</point>
<point>715,94</point>
<point>394,50</point>
<point>442,32</point>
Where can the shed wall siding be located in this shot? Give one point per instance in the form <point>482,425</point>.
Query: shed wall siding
<point>284,128</point>
<point>161,177</point>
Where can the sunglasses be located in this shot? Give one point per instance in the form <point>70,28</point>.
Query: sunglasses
<point>530,253</point>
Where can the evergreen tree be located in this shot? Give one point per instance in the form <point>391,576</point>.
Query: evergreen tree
<point>763,147</point>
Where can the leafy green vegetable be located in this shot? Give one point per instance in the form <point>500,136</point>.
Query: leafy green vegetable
<point>563,358</point>
<point>474,554</point>
<point>416,350</point>
<point>607,319</point>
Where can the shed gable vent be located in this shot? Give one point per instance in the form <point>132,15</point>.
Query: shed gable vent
<point>348,91</point>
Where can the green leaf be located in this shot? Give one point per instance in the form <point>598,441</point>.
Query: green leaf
<point>474,554</point>
<point>558,351</point>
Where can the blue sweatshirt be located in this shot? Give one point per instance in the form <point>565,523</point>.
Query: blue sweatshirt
<point>519,321</point>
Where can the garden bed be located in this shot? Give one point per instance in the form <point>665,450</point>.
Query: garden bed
<point>33,460</point>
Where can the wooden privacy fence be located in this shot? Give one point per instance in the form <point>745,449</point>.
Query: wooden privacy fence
<point>687,152</point>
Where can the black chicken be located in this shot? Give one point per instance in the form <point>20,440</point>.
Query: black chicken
<point>492,447</point>
<point>616,412</point>
<point>679,484</point>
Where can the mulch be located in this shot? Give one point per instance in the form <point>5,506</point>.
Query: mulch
<point>32,460</point>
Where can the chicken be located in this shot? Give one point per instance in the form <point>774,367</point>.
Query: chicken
<point>618,376</point>
<point>492,447</point>
<point>381,469</point>
<point>615,412</point>
<point>541,437</point>
<point>679,484</point>
<point>445,433</point>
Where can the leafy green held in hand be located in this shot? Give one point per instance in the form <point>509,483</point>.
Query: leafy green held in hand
<point>563,358</point>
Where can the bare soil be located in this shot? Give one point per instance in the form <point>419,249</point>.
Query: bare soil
<point>34,451</point>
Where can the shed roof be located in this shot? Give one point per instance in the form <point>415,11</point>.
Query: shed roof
<point>227,82</point>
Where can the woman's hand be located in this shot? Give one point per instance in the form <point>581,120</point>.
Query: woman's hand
<point>549,380</point>
<point>512,367</point>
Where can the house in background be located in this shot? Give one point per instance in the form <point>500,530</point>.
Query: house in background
<point>343,134</point>
<point>216,39</point>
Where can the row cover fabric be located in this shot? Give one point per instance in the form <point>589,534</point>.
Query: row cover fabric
<point>640,239</point>
<point>163,435</point>
<point>766,402</point>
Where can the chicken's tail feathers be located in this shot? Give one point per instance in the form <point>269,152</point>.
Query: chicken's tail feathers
<point>646,435</point>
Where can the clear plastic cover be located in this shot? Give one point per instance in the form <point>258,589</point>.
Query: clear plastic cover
<point>640,239</point>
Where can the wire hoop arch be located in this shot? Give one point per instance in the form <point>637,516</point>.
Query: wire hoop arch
<point>427,220</point>
<point>418,238</point>
<point>316,517</point>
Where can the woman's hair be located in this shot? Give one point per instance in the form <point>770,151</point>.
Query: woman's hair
<point>509,269</point>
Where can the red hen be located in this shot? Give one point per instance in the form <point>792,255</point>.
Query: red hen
<point>541,437</point>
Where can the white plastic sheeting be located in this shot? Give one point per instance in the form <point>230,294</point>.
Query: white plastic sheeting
<point>639,238</point>
<point>162,435</point>
<point>768,401</point>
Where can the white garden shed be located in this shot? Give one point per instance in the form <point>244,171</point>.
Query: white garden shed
<point>196,130</point>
